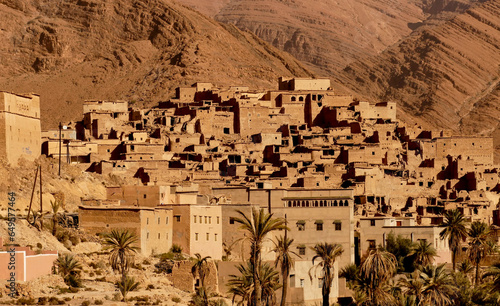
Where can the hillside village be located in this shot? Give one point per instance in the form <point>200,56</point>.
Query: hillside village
<point>337,169</point>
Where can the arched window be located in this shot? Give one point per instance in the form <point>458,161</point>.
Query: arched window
<point>335,203</point>
<point>294,99</point>
<point>301,99</point>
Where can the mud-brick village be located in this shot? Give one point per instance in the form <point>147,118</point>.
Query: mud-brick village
<point>186,201</point>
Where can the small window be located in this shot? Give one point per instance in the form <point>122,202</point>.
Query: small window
<point>227,131</point>
<point>194,219</point>
<point>215,237</point>
<point>302,250</point>
<point>338,225</point>
<point>302,283</point>
<point>196,236</point>
<point>231,220</point>
<point>217,222</point>
<point>206,218</point>
<point>159,235</point>
<point>177,218</point>
<point>319,226</point>
<point>371,244</point>
<point>208,236</point>
<point>147,220</point>
<point>399,223</point>
<point>166,220</point>
<point>209,220</point>
<point>158,220</point>
<point>372,222</point>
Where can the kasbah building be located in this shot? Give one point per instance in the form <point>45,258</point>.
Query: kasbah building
<point>338,169</point>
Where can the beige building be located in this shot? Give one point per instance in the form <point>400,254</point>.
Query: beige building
<point>373,232</point>
<point>198,229</point>
<point>20,131</point>
<point>152,225</point>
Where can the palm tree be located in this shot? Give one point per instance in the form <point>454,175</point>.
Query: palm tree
<point>377,269</point>
<point>350,273</point>
<point>55,205</point>
<point>412,285</point>
<point>285,260</point>
<point>494,287</point>
<point>200,268</point>
<point>465,267</point>
<point>454,230</point>
<point>69,268</point>
<point>327,253</point>
<point>121,247</point>
<point>126,285</point>
<point>242,286</point>
<point>438,286</point>
<point>423,253</point>
<point>258,225</point>
<point>479,233</point>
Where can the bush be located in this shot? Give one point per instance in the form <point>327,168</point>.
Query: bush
<point>176,299</point>
<point>25,301</point>
<point>176,249</point>
<point>85,303</point>
<point>98,302</point>
<point>42,300</point>
<point>39,245</point>
<point>146,262</point>
<point>150,287</point>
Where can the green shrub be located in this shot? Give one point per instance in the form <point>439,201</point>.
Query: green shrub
<point>176,249</point>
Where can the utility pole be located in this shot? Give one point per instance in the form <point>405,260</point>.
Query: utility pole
<point>60,128</point>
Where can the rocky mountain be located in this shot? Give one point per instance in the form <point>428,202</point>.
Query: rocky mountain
<point>444,76</point>
<point>329,34</point>
<point>139,50</point>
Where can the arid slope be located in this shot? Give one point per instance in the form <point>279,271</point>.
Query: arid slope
<point>138,50</point>
<point>329,34</point>
<point>445,76</point>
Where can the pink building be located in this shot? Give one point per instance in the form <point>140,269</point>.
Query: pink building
<point>27,263</point>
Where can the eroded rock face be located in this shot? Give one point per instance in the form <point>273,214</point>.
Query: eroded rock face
<point>73,50</point>
<point>328,34</point>
<point>446,76</point>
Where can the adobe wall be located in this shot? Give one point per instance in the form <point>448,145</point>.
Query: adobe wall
<point>206,236</point>
<point>156,231</point>
<point>479,149</point>
<point>20,130</point>
<point>105,106</point>
<point>95,221</point>
<point>183,279</point>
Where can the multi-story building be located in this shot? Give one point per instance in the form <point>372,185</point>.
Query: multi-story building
<point>20,130</point>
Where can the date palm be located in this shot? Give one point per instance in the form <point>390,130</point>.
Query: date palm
<point>55,205</point>
<point>242,285</point>
<point>412,285</point>
<point>258,225</point>
<point>121,245</point>
<point>327,253</point>
<point>200,268</point>
<point>454,230</point>
<point>479,234</point>
<point>285,260</point>
<point>126,285</point>
<point>438,286</point>
<point>69,268</point>
<point>494,287</point>
<point>423,253</point>
<point>377,269</point>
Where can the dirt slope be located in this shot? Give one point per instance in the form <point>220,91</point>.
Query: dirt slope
<point>71,50</point>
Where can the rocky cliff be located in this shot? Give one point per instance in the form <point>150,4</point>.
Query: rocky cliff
<point>139,50</point>
<point>329,34</point>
